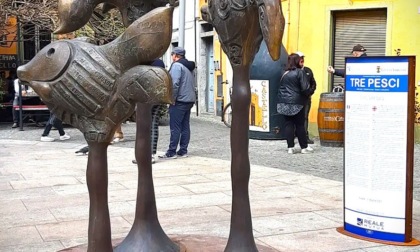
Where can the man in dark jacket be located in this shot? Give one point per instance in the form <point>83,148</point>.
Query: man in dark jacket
<point>184,96</point>
<point>358,51</point>
<point>312,88</point>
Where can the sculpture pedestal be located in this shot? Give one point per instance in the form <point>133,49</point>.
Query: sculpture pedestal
<point>187,243</point>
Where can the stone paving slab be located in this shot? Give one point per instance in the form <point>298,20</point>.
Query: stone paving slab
<point>210,139</point>
<point>44,201</point>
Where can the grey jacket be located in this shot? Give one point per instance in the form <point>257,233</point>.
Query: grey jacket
<point>183,81</point>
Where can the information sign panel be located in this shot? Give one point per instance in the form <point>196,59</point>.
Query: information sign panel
<point>377,149</point>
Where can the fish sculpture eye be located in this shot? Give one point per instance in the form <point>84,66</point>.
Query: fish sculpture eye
<point>50,52</point>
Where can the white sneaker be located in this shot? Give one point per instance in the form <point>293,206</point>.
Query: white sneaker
<point>64,137</point>
<point>47,139</point>
<point>153,159</point>
<point>165,156</point>
<point>117,140</point>
<point>291,151</point>
<point>307,150</point>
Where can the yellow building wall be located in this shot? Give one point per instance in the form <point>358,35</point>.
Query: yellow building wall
<point>10,46</point>
<point>8,51</point>
<point>220,57</point>
<point>309,29</point>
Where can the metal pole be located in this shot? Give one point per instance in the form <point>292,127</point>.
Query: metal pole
<point>37,39</point>
<point>20,107</point>
<point>181,30</point>
<point>197,112</point>
<point>18,64</point>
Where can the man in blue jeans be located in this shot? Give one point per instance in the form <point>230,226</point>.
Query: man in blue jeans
<point>183,84</point>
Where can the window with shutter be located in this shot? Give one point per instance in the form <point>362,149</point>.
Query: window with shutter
<point>365,27</point>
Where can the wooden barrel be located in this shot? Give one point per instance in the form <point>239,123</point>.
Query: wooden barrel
<point>331,119</point>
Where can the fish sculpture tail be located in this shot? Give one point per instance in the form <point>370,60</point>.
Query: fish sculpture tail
<point>144,84</point>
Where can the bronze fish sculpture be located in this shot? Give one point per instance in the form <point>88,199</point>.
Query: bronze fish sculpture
<point>94,88</point>
<point>231,17</point>
<point>241,26</point>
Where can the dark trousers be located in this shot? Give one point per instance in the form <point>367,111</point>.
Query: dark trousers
<point>307,108</point>
<point>54,121</point>
<point>179,123</point>
<point>154,134</point>
<point>15,112</point>
<point>296,123</point>
<point>28,101</point>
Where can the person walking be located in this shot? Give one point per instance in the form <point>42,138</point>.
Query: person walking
<point>312,88</point>
<point>156,111</point>
<point>183,96</point>
<point>119,134</point>
<point>16,100</point>
<point>293,95</point>
<point>358,51</point>
<point>154,131</point>
<point>54,121</point>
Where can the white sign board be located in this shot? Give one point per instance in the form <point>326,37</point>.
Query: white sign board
<point>375,153</point>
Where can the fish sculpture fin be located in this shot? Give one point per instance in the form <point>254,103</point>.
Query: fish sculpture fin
<point>145,84</point>
<point>272,25</point>
<point>74,14</point>
<point>143,41</point>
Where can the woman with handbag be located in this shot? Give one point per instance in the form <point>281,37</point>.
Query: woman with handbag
<point>293,95</point>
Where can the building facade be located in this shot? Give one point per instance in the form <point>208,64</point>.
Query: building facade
<point>8,48</point>
<point>326,31</point>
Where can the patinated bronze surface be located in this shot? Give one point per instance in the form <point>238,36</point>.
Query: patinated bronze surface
<point>95,88</point>
<point>76,13</point>
<point>241,26</point>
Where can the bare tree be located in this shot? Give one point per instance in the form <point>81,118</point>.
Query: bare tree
<point>43,14</point>
<point>103,27</point>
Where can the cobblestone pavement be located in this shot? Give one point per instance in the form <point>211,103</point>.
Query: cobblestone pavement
<point>210,138</point>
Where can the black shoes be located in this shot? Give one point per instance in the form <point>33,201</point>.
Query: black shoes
<point>310,141</point>
<point>83,150</point>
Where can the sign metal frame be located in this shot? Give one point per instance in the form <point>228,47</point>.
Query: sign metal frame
<point>390,81</point>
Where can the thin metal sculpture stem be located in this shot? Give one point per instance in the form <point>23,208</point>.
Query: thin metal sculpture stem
<point>146,233</point>
<point>241,237</point>
<point>99,231</point>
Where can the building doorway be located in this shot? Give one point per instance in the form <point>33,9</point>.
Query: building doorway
<point>366,27</point>
<point>210,76</point>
